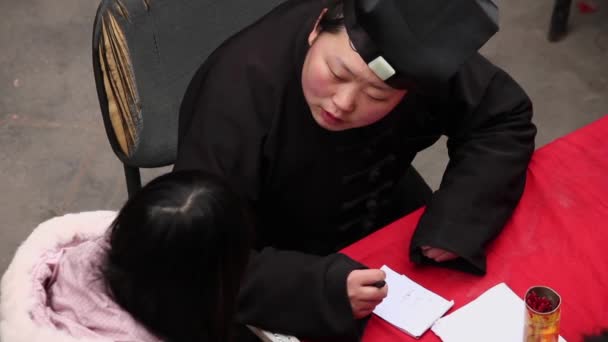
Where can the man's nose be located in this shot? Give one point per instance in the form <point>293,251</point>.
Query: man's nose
<point>345,98</point>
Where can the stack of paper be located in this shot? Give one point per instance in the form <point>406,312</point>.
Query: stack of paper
<point>409,306</point>
<point>497,315</point>
<point>267,336</point>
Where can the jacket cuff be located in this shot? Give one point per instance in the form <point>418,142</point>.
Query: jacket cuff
<point>475,264</point>
<point>337,296</point>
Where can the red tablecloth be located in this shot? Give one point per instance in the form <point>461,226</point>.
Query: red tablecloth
<point>558,236</point>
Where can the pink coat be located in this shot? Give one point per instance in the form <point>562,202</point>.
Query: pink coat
<point>53,291</point>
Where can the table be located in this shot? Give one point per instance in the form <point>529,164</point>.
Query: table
<point>557,236</point>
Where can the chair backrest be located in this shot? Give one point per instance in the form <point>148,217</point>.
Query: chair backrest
<point>145,52</point>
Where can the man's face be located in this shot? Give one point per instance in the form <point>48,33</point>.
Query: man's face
<point>340,89</point>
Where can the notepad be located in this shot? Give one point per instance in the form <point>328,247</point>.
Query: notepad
<point>409,306</point>
<point>267,336</point>
<point>497,315</point>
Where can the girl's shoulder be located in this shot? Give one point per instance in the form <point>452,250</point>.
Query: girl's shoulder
<point>19,291</point>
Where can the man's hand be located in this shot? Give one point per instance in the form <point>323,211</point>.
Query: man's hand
<point>437,254</point>
<point>363,295</point>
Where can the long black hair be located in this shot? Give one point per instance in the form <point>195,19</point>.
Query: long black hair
<point>177,252</point>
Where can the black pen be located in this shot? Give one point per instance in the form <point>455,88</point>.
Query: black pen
<point>379,284</point>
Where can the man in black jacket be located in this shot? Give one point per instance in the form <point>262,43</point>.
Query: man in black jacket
<point>314,114</point>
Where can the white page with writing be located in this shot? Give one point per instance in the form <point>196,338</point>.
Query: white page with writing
<point>497,315</point>
<point>409,306</point>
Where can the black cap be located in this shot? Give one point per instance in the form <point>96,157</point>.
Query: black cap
<point>418,44</point>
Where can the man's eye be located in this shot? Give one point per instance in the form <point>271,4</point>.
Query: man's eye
<point>377,99</point>
<point>336,76</point>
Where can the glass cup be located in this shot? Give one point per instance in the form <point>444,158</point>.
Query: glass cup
<point>542,326</point>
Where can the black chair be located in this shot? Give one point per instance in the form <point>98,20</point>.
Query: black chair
<point>559,20</point>
<point>144,54</point>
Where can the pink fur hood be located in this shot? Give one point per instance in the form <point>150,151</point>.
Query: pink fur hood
<point>53,290</point>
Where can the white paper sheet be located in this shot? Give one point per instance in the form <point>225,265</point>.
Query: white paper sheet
<point>267,336</point>
<point>409,306</point>
<point>497,315</point>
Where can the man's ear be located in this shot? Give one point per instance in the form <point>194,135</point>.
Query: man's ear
<point>316,29</point>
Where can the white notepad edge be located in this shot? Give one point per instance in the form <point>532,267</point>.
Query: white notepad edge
<point>485,293</point>
<point>447,305</point>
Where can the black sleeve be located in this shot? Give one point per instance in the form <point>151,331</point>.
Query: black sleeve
<point>223,122</point>
<point>299,294</point>
<point>490,143</point>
